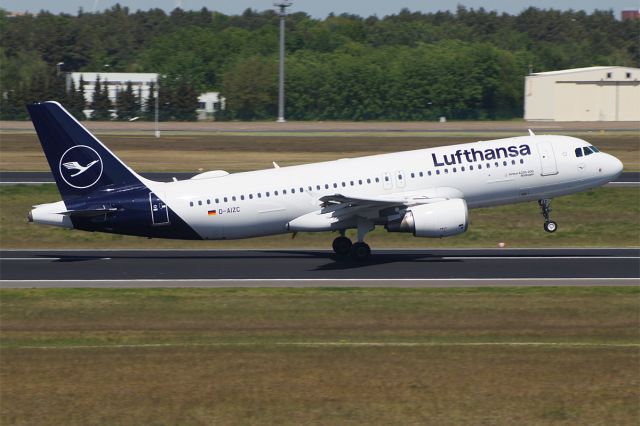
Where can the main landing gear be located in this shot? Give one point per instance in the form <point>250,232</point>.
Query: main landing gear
<point>545,206</point>
<point>360,250</point>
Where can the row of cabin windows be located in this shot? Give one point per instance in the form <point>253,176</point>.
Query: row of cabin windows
<point>350,183</point>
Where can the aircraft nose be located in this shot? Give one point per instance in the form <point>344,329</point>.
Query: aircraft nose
<point>613,167</point>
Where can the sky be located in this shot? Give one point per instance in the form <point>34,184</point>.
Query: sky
<point>320,9</point>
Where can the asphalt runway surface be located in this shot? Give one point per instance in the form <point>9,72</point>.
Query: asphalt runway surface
<point>318,268</point>
<point>625,179</point>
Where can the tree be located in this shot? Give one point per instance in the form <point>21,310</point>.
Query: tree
<point>149,109</point>
<point>128,105</point>
<point>75,102</point>
<point>250,88</point>
<point>178,99</point>
<point>101,104</point>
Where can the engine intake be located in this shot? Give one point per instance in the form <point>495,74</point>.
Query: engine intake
<point>437,220</point>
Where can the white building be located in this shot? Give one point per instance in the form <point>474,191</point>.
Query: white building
<point>208,104</point>
<point>583,94</point>
<point>116,82</point>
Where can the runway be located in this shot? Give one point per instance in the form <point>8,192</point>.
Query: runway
<point>317,268</point>
<point>26,178</point>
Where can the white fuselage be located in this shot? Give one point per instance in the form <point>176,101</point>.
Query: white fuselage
<point>262,202</point>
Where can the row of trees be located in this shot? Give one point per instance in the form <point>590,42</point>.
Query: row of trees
<point>176,102</point>
<point>413,66</point>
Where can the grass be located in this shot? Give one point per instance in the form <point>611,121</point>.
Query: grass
<point>260,356</point>
<point>601,217</point>
<point>193,152</point>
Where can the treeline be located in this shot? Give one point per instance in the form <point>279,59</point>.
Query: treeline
<point>410,66</point>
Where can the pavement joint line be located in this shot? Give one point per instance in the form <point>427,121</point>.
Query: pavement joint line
<point>339,344</point>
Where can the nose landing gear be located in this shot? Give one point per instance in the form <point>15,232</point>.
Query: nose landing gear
<point>549,225</point>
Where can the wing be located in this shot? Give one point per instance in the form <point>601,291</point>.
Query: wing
<point>338,211</point>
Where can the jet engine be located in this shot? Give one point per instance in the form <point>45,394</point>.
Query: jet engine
<point>437,220</point>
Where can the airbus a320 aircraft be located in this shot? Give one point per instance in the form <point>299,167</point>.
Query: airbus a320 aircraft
<point>425,192</point>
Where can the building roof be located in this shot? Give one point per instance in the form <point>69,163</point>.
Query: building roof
<point>577,70</point>
<point>116,77</point>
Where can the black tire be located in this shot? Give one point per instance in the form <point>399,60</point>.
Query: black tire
<point>342,246</point>
<point>550,226</point>
<point>360,251</point>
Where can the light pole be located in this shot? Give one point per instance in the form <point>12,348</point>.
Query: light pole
<point>58,67</point>
<point>283,12</point>
<point>157,107</point>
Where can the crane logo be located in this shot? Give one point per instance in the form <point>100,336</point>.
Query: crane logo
<point>80,167</point>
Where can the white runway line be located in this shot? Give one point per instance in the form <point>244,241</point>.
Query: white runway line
<point>53,258</point>
<point>550,257</point>
<point>250,280</point>
<point>507,257</point>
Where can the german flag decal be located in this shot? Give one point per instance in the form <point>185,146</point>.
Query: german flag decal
<point>212,212</point>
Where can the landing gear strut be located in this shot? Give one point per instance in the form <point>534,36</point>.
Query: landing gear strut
<point>545,206</point>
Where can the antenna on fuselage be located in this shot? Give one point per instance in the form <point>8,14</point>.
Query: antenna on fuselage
<point>531,133</point>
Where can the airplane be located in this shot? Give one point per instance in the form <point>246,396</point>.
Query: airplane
<point>426,192</point>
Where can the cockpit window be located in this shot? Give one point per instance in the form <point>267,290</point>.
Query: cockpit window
<point>578,152</point>
<point>594,149</point>
<point>587,150</point>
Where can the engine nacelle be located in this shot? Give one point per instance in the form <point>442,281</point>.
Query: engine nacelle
<point>441,219</point>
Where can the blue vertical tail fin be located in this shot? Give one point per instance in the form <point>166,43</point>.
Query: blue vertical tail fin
<point>80,163</point>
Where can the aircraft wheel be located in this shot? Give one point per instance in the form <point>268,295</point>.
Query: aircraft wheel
<point>360,251</point>
<point>342,246</point>
<point>550,226</point>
